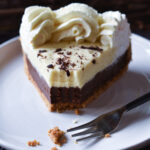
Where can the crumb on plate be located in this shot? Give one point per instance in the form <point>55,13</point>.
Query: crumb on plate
<point>33,143</point>
<point>107,135</point>
<point>54,148</point>
<point>57,136</point>
<point>77,111</point>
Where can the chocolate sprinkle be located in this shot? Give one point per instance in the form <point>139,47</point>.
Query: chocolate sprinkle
<point>59,61</point>
<point>58,50</point>
<point>80,56</point>
<point>73,64</point>
<point>42,51</point>
<point>94,61</point>
<point>92,48</point>
<point>39,55</point>
<point>64,65</point>
<point>69,53</point>
<point>94,55</point>
<point>60,53</point>
<point>68,73</point>
<point>50,66</point>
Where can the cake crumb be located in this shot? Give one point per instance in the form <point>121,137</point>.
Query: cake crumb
<point>57,136</point>
<point>54,148</point>
<point>33,143</point>
<point>77,112</point>
<point>94,61</point>
<point>107,135</point>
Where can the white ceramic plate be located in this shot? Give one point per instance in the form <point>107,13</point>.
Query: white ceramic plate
<point>24,116</point>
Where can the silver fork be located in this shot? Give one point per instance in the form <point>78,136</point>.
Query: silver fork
<point>106,123</point>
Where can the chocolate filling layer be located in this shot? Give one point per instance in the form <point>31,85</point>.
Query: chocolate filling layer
<point>77,95</point>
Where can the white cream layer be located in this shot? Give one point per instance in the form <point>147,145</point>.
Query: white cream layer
<point>84,69</point>
<point>44,29</point>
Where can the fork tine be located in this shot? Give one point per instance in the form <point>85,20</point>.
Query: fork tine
<point>90,130</point>
<point>99,134</point>
<point>80,127</point>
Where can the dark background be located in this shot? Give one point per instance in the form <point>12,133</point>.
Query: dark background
<point>137,11</point>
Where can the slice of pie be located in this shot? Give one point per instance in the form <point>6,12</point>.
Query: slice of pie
<point>74,54</point>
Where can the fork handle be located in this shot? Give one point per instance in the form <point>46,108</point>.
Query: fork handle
<point>137,102</point>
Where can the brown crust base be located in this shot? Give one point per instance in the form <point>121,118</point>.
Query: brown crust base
<point>61,106</point>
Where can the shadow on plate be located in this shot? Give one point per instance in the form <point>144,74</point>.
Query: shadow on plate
<point>125,90</point>
<point>126,121</point>
<point>9,52</point>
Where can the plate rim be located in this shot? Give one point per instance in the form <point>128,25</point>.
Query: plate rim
<point>9,41</point>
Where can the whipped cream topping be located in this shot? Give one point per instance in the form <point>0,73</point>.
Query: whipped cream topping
<point>115,30</point>
<point>75,22</point>
<point>37,25</point>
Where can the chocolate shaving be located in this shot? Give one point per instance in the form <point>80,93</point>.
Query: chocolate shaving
<point>69,53</point>
<point>68,73</point>
<point>50,66</point>
<point>92,48</point>
<point>42,51</point>
<point>73,64</point>
<point>94,55</point>
<point>60,53</point>
<point>39,55</point>
<point>64,65</point>
<point>94,61</point>
<point>58,50</point>
<point>80,57</point>
<point>59,61</point>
